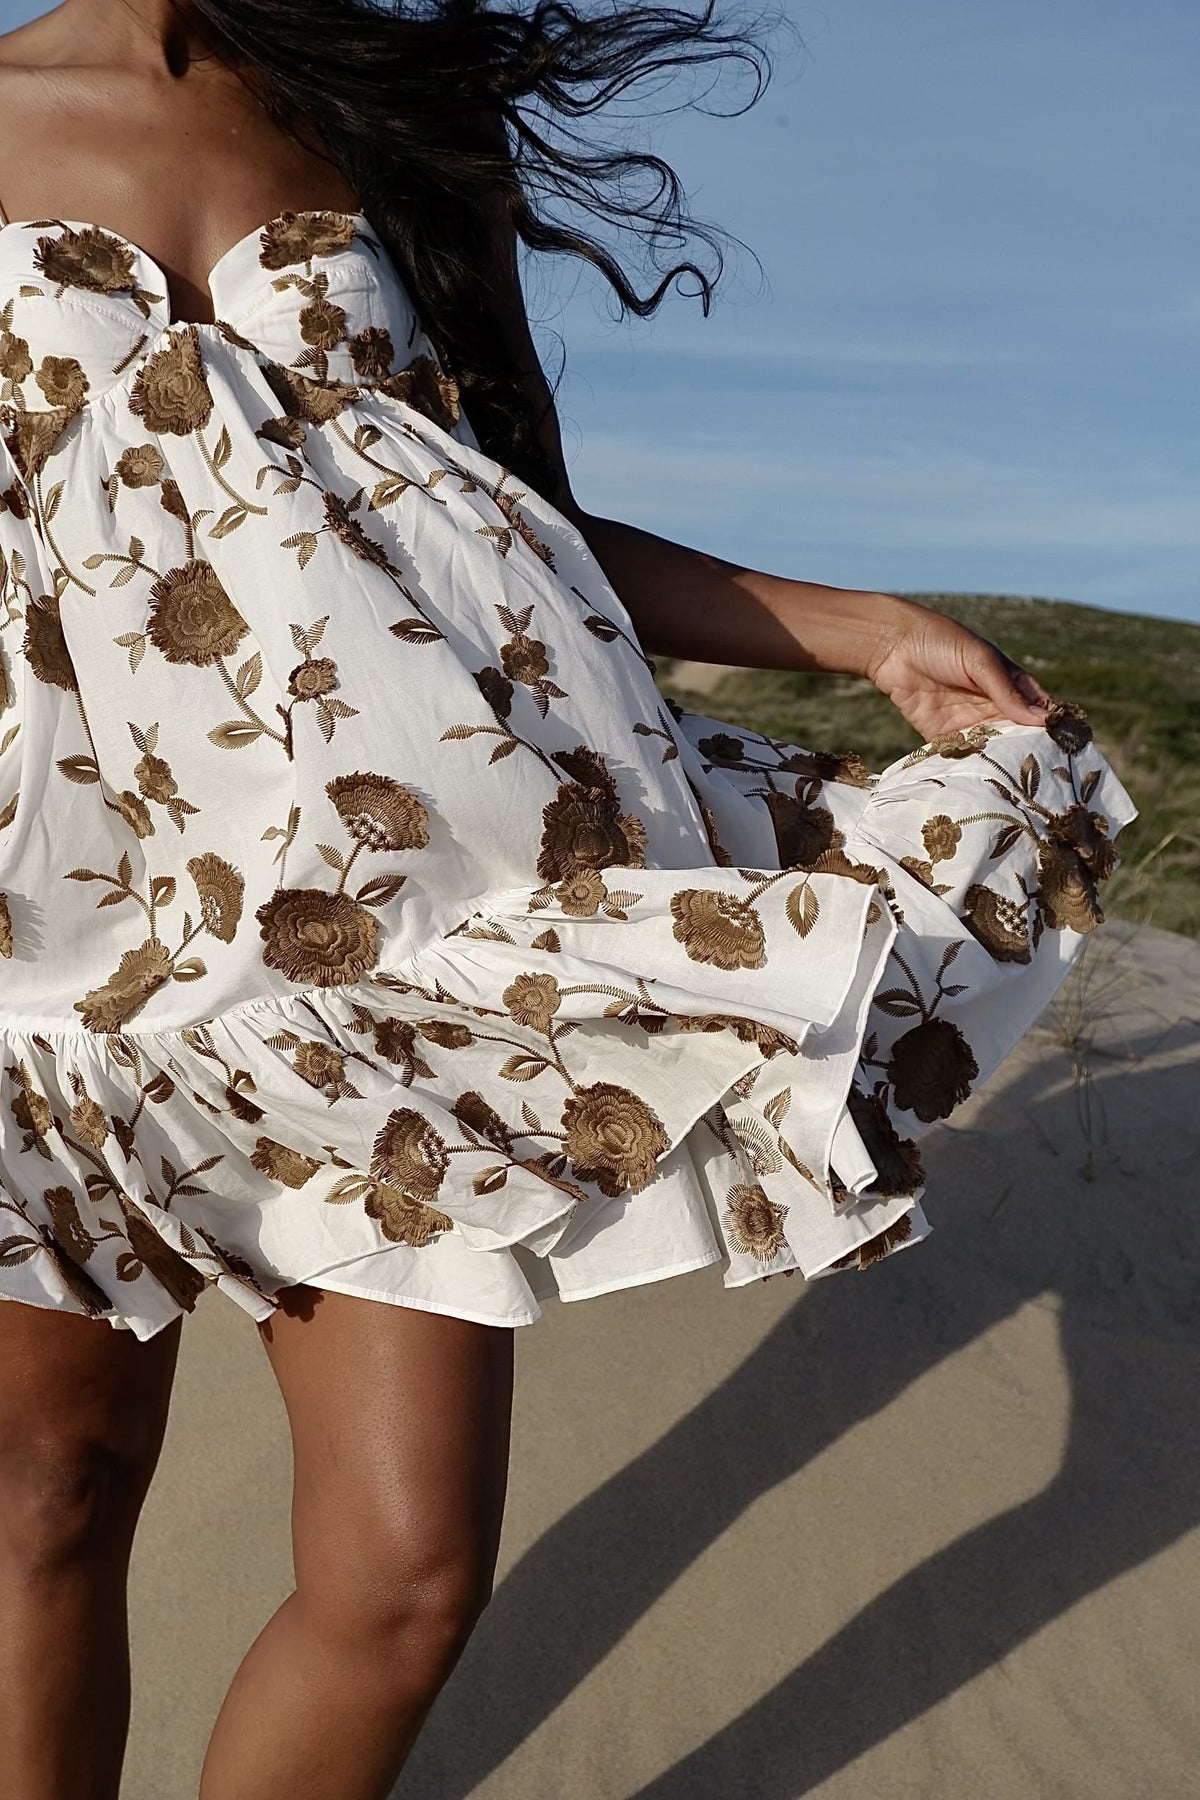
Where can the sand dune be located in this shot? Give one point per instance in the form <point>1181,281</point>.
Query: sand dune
<point>924,1532</point>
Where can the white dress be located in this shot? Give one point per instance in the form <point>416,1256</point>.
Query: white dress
<point>370,918</point>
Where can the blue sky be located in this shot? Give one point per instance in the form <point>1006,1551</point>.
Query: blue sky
<point>970,360</point>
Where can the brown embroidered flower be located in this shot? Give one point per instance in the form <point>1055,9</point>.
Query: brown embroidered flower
<point>584,826</point>
<point>6,930</point>
<point>919,870</point>
<point>222,892</point>
<point>404,1221</point>
<point>446,1033</point>
<point>1067,724</point>
<point>524,659</point>
<point>282,1163</point>
<point>427,389</point>
<point>372,352</point>
<point>91,259</point>
<point>15,500</point>
<point>140,973</point>
<point>68,1228</point>
<point>154,778</point>
<point>755,1222</point>
<point>723,749</point>
<point>141,466</point>
<point>496,689</point>
<point>173,502</point>
<point>396,1042</point>
<point>62,380</point>
<point>322,939</point>
<point>897,1160</point>
<point>297,237</point>
<point>802,833</point>
<point>931,1069</point>
<point>1066,889</point>
<point>846,767</point>
<point>182,1281</point>
<point>379,813</point>
<point>322,324</point>
<point>876,1248</point>
<point>31,1111</point>
<point>288,432</point>
<point>347,528</point>
<point>171,392</point>
<point>957,744</point>
<point>192,619</point>
<point>475,1115</point>
<point>314,402</point>
<point>243,1108</point>
<point>533,1000</point>
<point>46,647</point>
<point>769,1038</point>
<point>15,361</point>
<point>313,679</point>
<point>410,1156</point>
<point>136,813</point>
<point>1000,924</point>
<point>613,1138</point>
<point>1087,834</point>
<point>941,837</point>
<point>33,438</point>
<point>320,1065</point>
<point>718,928</point>
<point>580,893</point>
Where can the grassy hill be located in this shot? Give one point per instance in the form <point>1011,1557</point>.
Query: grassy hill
<point>1138,678</point>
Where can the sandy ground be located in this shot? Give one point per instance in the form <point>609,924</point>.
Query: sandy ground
<point>926,1532</point>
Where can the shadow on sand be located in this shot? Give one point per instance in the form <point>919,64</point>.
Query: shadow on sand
<point>1122,1254</point>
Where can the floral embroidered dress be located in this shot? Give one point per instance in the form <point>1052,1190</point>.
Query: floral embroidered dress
<point>369,918</point>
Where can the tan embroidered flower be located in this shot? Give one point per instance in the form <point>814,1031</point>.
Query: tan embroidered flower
<point>68,1228</point>
<point>475,1115</point>
<point>1066,889</point>
<point>322,324</point>
<point>346,527</point>
<point>941,837</point>
<point>6,930</point>
<point>897,1160</point>
<point>802,833</point>
<point>320,1065</point>
<point>755,1222</point>
<point>446,1033</point>
<point>62,380</point>
<point>31,1111</point>
<point>613,1137</point>
<point>404,1221</point>
<point>192,619</point>
<point>317,938</point>
<point>288,432</point>
<point>136,813</point>
<point>140,466</point>
<point>919,870</point>
<point>302,398</point>
<point>173,502</point>
<point>282,1163</point>
<point>379,813</point>
<point>46,647</point>
<point>181,1280</point>
<point>533,1000</point>
<point>154,778</point>
<point>140,973</point>
<point>584,826</point>
<point>91,259</point>
<point>16,364</point>
<point>171,392</point>
<point>427,389</point>
<point>372,352</point>
<point>33,438</point>
<point>581,893</point>
<point>1000,924</point>
<point>222,893</point>
<point>718,928</point>
<point>1087,834</point>
<point>847,768</point>
<point>310,680</point>
<point>931,1069</point>
<point>524,659</point>
<point>410,1156</point>
<point>1068,725</point>
<point>956,744</point>
<point>298,237</point>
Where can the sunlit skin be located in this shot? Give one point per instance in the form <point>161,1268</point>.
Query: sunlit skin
<point>400,1418</point>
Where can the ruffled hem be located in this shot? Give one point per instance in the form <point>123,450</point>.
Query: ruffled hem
<point>583,1086</point>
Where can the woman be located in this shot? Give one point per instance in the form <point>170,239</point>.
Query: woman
<point>382,949</point>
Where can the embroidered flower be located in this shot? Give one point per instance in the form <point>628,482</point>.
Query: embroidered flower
<point>379,813</point>
<point>613,1138</point>
<point>316,938</point>
<point>171,393</point>
<point>718,928</point>
<point>192,619</point>
<point>755,1222</point>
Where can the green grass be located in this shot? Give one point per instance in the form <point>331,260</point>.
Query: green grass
<point>1138,678</point>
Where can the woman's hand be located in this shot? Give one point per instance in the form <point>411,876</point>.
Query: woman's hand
<point>943,677</point>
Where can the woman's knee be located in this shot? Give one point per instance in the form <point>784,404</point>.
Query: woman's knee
<point>67,1494</point>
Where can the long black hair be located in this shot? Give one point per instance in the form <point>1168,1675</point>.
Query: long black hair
<point>448,117</point>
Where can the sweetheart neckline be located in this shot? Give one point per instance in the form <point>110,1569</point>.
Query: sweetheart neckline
<point>360,218</point>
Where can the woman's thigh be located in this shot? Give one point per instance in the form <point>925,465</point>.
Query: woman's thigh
<point>400,1425</point>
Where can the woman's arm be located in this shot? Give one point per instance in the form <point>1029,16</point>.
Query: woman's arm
<point>688,603</point>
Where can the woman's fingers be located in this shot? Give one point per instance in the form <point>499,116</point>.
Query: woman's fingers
<point>1018,693</point>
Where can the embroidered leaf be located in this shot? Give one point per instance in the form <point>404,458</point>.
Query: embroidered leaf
<point>80,769</point>
<point>14,1250</point>
<point>776,1108</point>
<point>897,1004</point>
<point>222,449</point>
<point>523,1067</point>
<point>380,890</point>
<point>1089,785</point>
<point>1006,837</point>
<point>114,897</point>
<point>350,1187</point>
<point>191,969</point>
<point>490,1181</point>
<point>249,676</point>
<point>1031,775</point>
<point>415,631</point>
<point>135,643</point>
<point>504,748</point>
<point>235,734</point>
<point>162,890</point>
<point>50,505</point>
<point>949,954</point>
<point>803,908</point>
<point>229,520</point>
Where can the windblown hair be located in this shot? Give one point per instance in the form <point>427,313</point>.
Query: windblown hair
<point>459,127</point>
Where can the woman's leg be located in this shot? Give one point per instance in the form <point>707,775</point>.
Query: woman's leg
<point>400,1426</point>
<point>82,1414</point>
